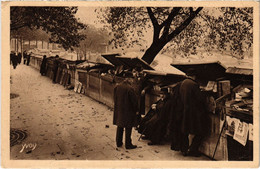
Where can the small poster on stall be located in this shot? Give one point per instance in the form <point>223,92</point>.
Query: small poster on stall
<point>210,86</point>
<point>250,137</point>
<point>241,132</point>
<point>231,123</point>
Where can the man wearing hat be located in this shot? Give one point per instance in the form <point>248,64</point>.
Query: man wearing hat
<point>195,119</point>
<point>125,112</point>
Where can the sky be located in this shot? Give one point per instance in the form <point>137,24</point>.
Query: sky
<point>87,15</point>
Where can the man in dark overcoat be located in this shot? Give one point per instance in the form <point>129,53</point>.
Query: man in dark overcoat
<point>14,59</point>
<point>24,57</point>
<point>195,118</point>
<point>19,57</point>
<point>43,66</point>
<point>55,68</point>
<point>28,58</point>
<point>125,112</point>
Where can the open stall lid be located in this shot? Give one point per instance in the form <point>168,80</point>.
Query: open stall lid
<point>243,74</point>
<point>112,59</point>
<point>129,62</point>
<point>239,71</point>
<point>162,78</point>
<point>205,70</point>
<point>134,62</point>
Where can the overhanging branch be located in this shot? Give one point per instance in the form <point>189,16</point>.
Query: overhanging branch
<point>151,15</point>
<point>180,28</point>
<point>168,21</point>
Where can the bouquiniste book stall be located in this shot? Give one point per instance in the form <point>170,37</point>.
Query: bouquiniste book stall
<point>232,124</point>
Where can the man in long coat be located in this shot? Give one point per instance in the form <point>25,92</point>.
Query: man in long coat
<point>43,66</point>
<point>19,57</point>
<point>14,59</point>
<point>24,57</point>
<point>28,58</point>
<point>125,112</point>
<point>195,117</point>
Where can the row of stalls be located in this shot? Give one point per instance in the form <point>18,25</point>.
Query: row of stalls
<point>66,69</point>
<point>232,88</point>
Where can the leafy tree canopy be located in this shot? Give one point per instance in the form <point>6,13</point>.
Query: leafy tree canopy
<point>30,34</point>
<point>180,29</point>
<point>59,22</point>
<point>96,39</point>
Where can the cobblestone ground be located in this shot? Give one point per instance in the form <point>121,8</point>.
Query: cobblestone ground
<point>63,125</point>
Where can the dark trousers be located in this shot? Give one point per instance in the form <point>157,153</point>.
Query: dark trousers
<point>28,61</point>
<point>119,136</point>
<point>54,76</point>
<point>196,142</point>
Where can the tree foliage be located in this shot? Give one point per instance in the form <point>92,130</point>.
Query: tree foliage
<point>95,41</point>
<point>234,30</point>
<point>30,34</point>
<point>166,23</point>
<point>180,29</point>
<point>59,22</point>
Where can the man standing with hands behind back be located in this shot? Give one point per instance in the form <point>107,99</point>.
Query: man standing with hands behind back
<point>125,112</point>
<point>195,117</point>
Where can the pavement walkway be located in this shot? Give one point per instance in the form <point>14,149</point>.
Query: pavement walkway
<point>64,125</point>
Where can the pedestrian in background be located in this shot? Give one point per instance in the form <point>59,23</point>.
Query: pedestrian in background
<point>43,66</point>
<point>125,112</point>
<point>28,58</point>
<point>19,57</point>
<point>13,57</point>
<point>24,56</point>
<point>55,68</point>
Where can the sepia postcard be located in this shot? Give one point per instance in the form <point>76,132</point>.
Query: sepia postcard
<point>130,84</point>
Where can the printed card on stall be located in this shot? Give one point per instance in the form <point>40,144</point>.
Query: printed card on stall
<point>231,125</point>
<point>251,131</point>
<point>241,132</point>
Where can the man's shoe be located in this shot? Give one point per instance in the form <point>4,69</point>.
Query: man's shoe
<point>184,153</point>
<point>119,144</point>
<point>151,143</point>
<point>131,146</point>
<point>194,153</point>
<point>175,148</point>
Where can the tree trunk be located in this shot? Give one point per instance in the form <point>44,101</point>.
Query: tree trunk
<point>153,50</point>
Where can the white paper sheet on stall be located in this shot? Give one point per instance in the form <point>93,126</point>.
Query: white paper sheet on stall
<point>231,123</point>
<point>250,132</point>
<point>241,132</point>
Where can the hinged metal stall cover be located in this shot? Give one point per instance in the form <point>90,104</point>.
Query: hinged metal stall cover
<point>128,62</point>
<point>205,70</point>
<point>239,71</point>
<point>112,59</point>
<point>163,78</point>
<point>243,74</point>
